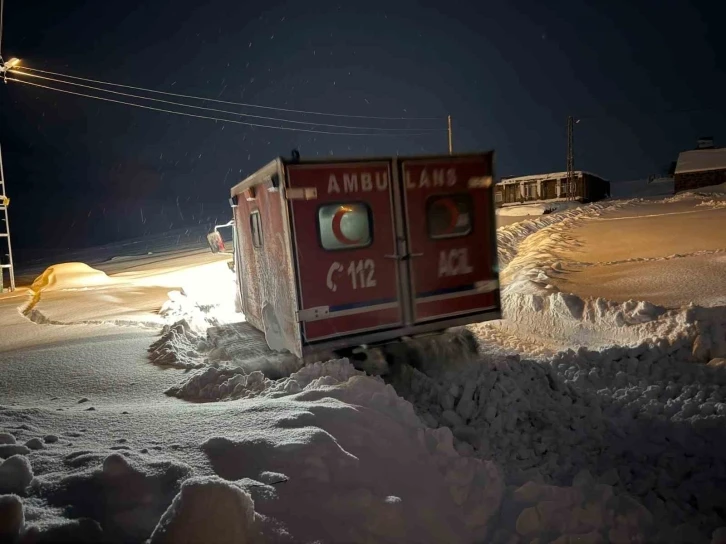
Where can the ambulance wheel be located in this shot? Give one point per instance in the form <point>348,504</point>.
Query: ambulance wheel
<point>370,360</point>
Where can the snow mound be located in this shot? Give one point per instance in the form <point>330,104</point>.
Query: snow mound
<point>208,509</point>
<point>15,475</point>
<point>12,518</point>
<point>7,438</point>
<point>8,450</point>
<point>231,383</point>
<point>179,346</point>
<point>70,276</point>
<point>78,531</point>
<point>126,501</point>
<point>585,512</point>
<point>647,421</point>
<point>357,465</point>
<point>713,204</point>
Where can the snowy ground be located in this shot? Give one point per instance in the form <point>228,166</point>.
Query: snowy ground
<point>595,412</point>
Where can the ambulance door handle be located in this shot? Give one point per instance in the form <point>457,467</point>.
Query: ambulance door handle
<point>411,255</point>
<point>397,257</point>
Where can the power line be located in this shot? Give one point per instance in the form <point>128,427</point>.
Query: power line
<point>288,110</point>
<point>383,129</point>
<point>257,125</point>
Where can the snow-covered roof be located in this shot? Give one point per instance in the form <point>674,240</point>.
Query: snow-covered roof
<point>542,177</point>
<point>700,160</point>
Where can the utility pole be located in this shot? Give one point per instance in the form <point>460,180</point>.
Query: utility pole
<point>570,157</point>
<point>451,145</point>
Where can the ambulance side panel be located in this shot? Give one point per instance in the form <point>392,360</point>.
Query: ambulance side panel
<point>269,295</point>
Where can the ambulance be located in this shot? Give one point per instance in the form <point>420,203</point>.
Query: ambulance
<point>337,254</point>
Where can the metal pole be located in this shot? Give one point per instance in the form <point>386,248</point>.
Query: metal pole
<point>570,157</point>
<point>5,232</point>
<point>451,145</point>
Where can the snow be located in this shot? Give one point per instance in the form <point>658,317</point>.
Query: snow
<point>136,405</point>
<point>642,251</point>
<point>205,503</point>
<point>538,208</point>
<point>700,160</point>
<point>11,517</point>
<point>15,475</point>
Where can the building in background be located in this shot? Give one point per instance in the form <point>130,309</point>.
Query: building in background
<point>701,167</point>
<point>552,187</point>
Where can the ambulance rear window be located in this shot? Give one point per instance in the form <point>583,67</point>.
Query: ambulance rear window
<point>449,216</point>
<point>344,226</point>
<point>256,226</point>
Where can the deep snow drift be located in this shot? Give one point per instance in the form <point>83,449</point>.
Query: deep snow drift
<point>533,438</point>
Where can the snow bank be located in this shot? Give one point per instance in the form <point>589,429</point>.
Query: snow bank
<point>713,204</point>
<point>340,380</point>
<point>231,383</point>
<point>74,293</point>
<point>70,276</point>
<point>510,237</point>
<point>368,471</point>
<point>646,421</point>
<point>532,257</point>
<point>597,322</point>
<point>539,208</point>
<point>179,346</point>
<point>126,501</point>
<point>15,475</point>
<point>12,518</point>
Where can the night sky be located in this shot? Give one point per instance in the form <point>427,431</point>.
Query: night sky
<point>82,172</point>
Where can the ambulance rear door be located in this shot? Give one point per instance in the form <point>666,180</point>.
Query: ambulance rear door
<point>449,212</point>
<point>345,245</point>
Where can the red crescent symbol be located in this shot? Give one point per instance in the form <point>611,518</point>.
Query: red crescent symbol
<point>337,231</point>
<point>453,212</point>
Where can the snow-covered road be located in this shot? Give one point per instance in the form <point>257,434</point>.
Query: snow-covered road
<point>594,412</point>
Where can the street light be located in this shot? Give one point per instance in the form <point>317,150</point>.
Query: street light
<point>12,63</point>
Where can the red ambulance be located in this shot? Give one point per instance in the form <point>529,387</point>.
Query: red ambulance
<point>342,253</point>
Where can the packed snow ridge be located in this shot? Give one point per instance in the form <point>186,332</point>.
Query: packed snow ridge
<point>533,306</point>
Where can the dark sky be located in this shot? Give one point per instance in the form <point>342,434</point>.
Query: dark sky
<point>82,172</point>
